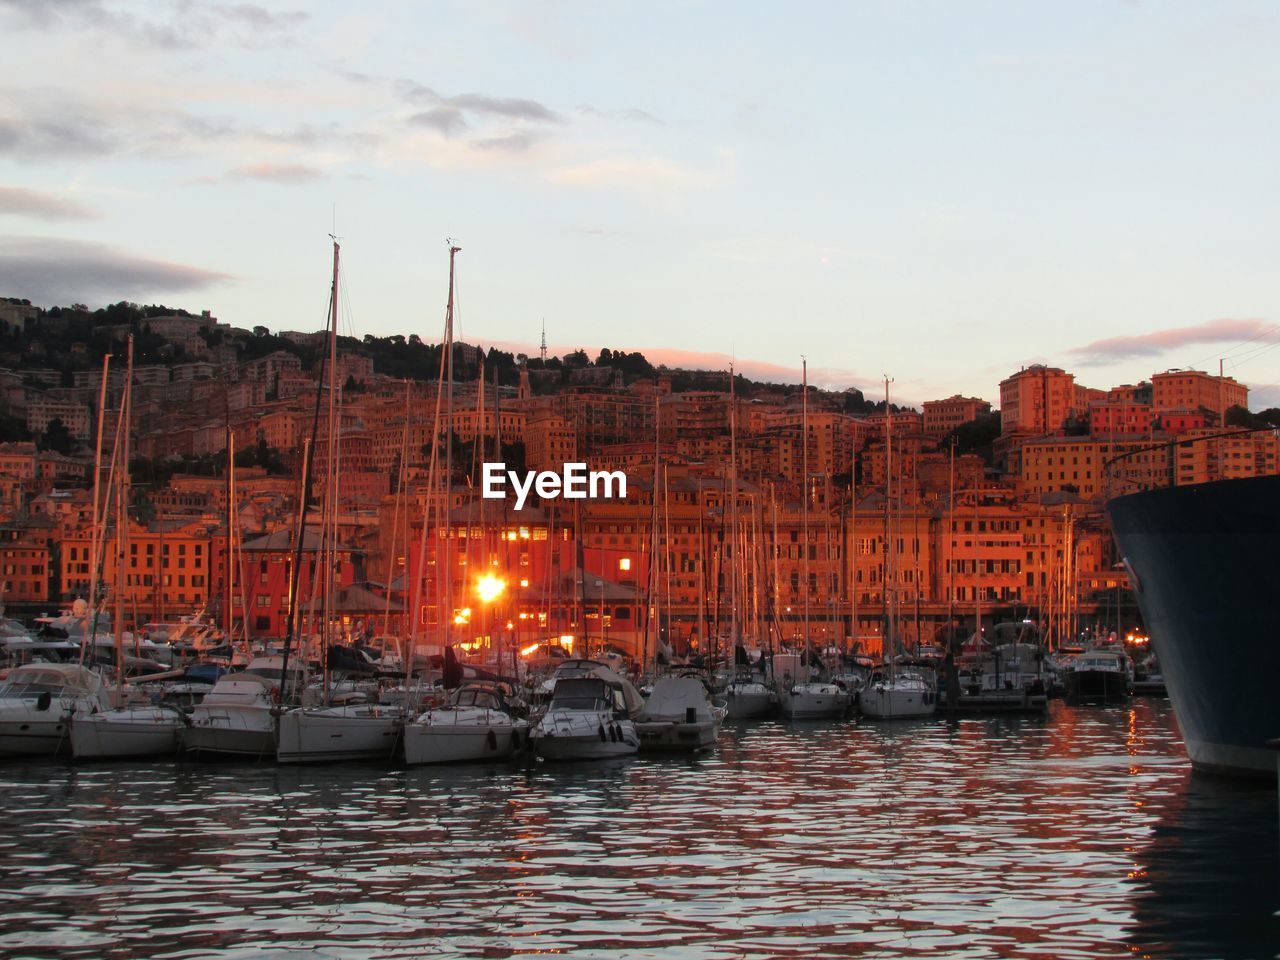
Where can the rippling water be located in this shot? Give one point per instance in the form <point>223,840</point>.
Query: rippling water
<point>1081,836</point>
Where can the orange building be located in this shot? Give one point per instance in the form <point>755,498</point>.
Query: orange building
<point>943,416</point>
<point>1196,390</point>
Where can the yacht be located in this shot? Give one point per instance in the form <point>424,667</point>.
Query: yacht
<point>1101,675</point>
<point>475,724</point>
<point>591,715</point>
<point>238,716</point>
<point>679,715</point>
<point>899,694</point>
<point>37,702</point>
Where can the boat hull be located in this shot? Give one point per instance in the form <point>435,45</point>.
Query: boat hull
<point>1203,560</point>
<point>457,744</point>
<point>749,704</point>
<point>233,733</point>
<point>880,702</point>
<point>24,733</point>
<point>676,736</point>
<point>800,705</point>
<point>126,733</point>
<point>583,736</point>
<point>1097,686</point>
<point>324,736</point>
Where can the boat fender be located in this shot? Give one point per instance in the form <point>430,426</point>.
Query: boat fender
<point>44,701</point>
<point>613,732</point>
<point>491,741</point>
<point>601,732</point>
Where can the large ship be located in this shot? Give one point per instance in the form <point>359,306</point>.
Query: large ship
<point>1205,566</point>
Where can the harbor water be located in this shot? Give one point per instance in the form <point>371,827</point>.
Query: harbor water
<point>1084,835</point>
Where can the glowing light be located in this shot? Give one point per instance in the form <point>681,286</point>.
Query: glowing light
<point>524,583</point>
<point>566,641</point>
<point>463,616</point>
<point>624,563</point>
<point>526,651</point>
<point>490,588</point>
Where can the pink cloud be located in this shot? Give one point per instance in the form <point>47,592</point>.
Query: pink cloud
<point>1159,341</point>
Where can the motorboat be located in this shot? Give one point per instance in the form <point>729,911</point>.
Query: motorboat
<point>590,716</point>
<point>238,716</point>
<point>1100,675</point>
<point>679,715</point>
<point>476,723</point>
<point>37,702</point>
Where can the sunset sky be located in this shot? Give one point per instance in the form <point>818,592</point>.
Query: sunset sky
<point>940,192</point>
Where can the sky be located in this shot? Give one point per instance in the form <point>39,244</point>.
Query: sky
<point>935,192</point>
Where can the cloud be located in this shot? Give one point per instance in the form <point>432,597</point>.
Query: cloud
<point>193,24</point>
<point>20,202</point>
<point>511,143</point>
<point>634,114</point>
<point>1161,341</point>
<point>283,173</point>
<point>72,135</point>
<point>629,172</point>
<point>52,270</point>
<point>511,108</point>
<point>445,120</point>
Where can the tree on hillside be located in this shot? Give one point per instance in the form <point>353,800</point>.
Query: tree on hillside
<point>56,437</point>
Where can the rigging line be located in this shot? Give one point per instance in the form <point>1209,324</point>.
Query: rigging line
<point>1274,328</point>
<point>1250,355</point>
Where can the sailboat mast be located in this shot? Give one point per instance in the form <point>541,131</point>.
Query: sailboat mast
<point>804,490</point>
<point>97,528</point>
<point>122,524</point>
<point>446,619</point>
<point>330,551</point>
<point>888,528</point>
<point>730,544</point>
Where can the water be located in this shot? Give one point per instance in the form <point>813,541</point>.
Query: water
<point>1081,836</point>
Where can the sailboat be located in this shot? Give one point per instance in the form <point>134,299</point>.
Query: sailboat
<point>475,724</point>
<point>128,730</point>
<point>807,697</point>
<point>349,731</point>
<point>901,690</point>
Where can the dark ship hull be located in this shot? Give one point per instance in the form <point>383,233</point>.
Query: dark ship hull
<point>1205,561</point>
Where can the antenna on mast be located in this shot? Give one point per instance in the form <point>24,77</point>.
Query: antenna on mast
<point>544,342</point>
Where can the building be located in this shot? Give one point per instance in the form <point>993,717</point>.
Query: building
<point>1036,401</point>
<point>943,416</point>
<point>1196,390</point>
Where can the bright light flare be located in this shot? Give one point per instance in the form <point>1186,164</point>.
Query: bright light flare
<point>490,588</point>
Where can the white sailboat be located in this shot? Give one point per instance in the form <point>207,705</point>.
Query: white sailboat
<point>899,692</point>
<point>802,696</point>
<point>476,724</point>
<point>331,732</point>
<point>127,732</point>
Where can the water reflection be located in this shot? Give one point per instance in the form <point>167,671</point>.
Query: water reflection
<point>1075,836</point>
<point>1209,881</point>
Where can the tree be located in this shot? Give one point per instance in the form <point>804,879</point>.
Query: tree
<point>57,437</point>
